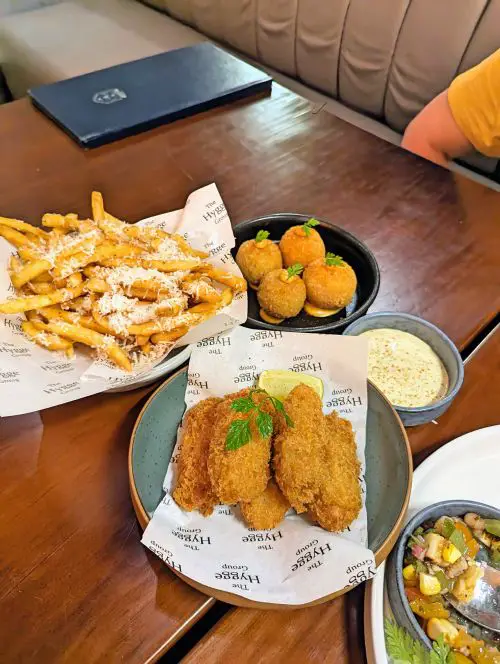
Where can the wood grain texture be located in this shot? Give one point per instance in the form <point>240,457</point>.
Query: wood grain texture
<point>435,240</point>
<point>332,632</point>
<point>477,404</point>
<point>77,585</point>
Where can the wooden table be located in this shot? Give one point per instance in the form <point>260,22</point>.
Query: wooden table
<point>77,586</point>
<point>332,632</point>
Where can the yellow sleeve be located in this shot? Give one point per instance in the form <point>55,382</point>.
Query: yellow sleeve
<point>474,99</point>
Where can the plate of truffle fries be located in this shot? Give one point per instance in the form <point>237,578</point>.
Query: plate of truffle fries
<point>124,293</point>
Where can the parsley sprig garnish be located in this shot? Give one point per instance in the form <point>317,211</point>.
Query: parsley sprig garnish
<point>294,270</point>
<point>310,223</point>
<point>333,259</point>
<point>239,432</point>
<point>261,235</point>
<point>404,649</point>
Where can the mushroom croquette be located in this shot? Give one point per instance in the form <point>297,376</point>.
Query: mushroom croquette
<point>302,244</point>
<point>330,282</point>
<point>281,294</point>
<point>258,257</point>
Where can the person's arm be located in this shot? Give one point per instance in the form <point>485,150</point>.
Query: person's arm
<point>434,134</point>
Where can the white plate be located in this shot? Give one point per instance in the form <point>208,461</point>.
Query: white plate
<point>465,468</point>
<point>172,362</point>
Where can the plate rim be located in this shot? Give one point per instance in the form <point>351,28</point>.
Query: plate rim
<point>375,592</point>
<point>237,600</point>
<point>325,327</point>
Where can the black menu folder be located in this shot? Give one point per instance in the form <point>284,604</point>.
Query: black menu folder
<point>127,99</point>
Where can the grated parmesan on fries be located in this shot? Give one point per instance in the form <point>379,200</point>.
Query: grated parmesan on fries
<point>121,289</point>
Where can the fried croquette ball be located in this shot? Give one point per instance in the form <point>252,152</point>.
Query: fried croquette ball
<point>330,282</point>
<point>258,257</point>
<point>302,244</point>
<point>282,293</point>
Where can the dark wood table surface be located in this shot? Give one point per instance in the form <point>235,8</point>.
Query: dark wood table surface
<point>77,585</point>
<point>332,632</point>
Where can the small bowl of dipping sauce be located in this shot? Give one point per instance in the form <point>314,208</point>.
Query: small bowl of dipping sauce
<point>414,363</point>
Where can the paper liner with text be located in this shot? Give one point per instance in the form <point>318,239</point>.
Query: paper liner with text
<point>32,378</point>
<point>297,562</point>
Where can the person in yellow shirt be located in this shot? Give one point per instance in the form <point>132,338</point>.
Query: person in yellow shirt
<point>463,117</point>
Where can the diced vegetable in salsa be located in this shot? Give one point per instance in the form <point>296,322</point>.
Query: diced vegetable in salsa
<point>448,557</point>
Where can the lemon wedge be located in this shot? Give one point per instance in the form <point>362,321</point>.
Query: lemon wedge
<point>280,382</point>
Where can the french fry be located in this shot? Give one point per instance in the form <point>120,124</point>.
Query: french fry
<point>141,294</point>
<point>74,279</point>
<point>22,226</point>
<point>79,304</point>
<point>51,220</point>
<point>33,315</point>
<point>55,313</point>
<point>90,338</point>
<point>97,285</point>
<point>201,291</point>
<point>238,284</point>
<point>28,253</point>
<point>168,309</point>
<point>15,264</point>
<point>169,266</point>
<point>203,308</point>
<point>153,236</point>
<point>85,245</point>
<point>47,340</point>
<point>172,335</point>
<point>187,249</point>
<point>226,298</point>
<point>97,206</point>
<point>40,288</point>
<point>151,328</point>
<point>41,278</point>
<point>120,262</point>
<point>63,270</point>
<point>22,304</point>
<point>69,222</point>
<point>102,253</point>
<point>29,272</point>
<point>14,237</point>
<point>52,313</point>
<point>104,325</point>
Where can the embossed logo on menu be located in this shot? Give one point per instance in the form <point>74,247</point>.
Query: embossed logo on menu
<point>109,96</point>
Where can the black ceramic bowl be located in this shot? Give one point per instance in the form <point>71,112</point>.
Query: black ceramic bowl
<point>336,240</point>
<point>394,566</point>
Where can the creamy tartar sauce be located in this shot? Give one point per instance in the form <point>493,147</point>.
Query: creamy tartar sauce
<point>405,368</point>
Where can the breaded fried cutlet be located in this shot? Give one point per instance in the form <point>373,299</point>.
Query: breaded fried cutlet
<point>299,451</point>
<point>241,474</point>
<point>315,462</point>
<point>193,487</point>
<point>267,510</point>
<point>339,501</point>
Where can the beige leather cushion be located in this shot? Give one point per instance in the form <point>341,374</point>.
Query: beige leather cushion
<point>368,43</point>
<point>486,37</point>
<point>431,43</point>
<point>240,25</point>
<point>180,9</point>
<point>35,48</point>
<point>385,57</point>
<point>276,34</point>
<point>319,33</point>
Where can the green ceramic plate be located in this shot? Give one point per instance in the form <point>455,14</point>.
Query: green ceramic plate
<point>388,462</point>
